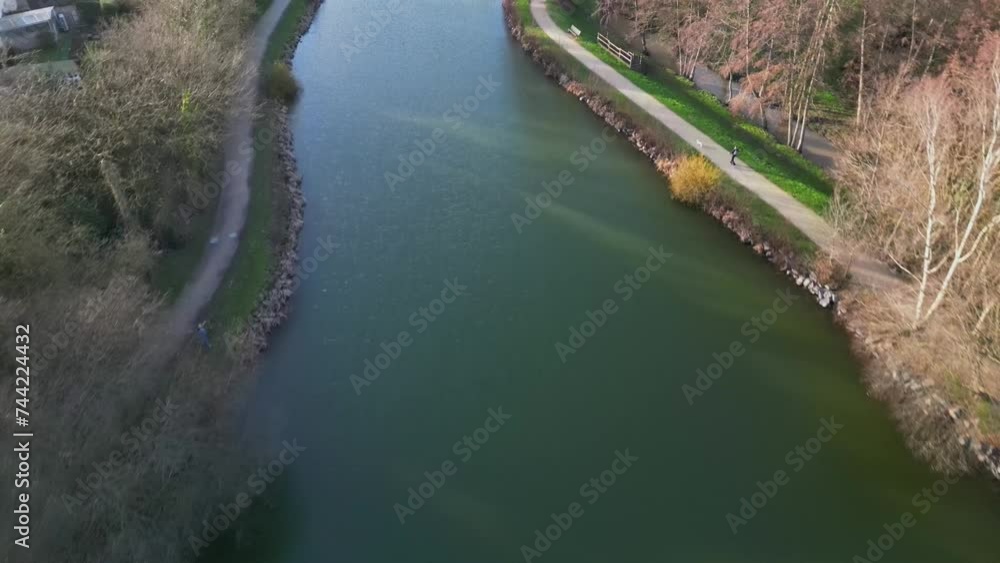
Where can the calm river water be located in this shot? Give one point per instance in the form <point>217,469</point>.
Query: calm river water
<point>470,309</point>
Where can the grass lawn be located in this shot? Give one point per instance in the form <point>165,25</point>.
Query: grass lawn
<point>56,52</point>
<point>251,269</point>
<point>285,30</point>
<point>774,227</point>
<point>830,112</point>
<point>758,149</point>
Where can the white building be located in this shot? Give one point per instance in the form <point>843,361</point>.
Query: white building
<point>25,31</point>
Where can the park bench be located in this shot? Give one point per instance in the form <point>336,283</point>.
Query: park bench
<point>575,31</point>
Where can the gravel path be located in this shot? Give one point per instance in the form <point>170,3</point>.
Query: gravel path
<point>234,197</point>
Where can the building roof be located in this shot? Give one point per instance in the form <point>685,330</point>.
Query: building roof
<point>25,19</point>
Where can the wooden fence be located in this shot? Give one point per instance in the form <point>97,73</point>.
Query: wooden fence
<point>633,60</point>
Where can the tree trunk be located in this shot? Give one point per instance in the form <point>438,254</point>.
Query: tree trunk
<point>982,317</point>
<point>803,119</point>
<point>987,172</point>
<point>881,49</point>
<point>861,72</point>
<point>677,27</point>
<point>937,41</point>
<point>113,179</point>
<point>913,32</point>
<point>640,29</point>
<point>746,45</point>
<point>928,236</point>
<point>790,127</point>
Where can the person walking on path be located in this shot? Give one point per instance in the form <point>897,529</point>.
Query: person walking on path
<point>733,155</point>
<point>202,333</point>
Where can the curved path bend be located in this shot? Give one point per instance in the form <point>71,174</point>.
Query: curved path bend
<point>231,214</point>
<point>868,271</point>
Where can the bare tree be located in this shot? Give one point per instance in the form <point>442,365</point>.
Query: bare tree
<point>971,218</point>
<point>942,136</point>
<point>695,38</point>
<point>806,35</point>
<point>605,10</point>
<point>81,174</point>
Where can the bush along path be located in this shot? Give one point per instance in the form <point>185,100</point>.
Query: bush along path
<point>863,269</point>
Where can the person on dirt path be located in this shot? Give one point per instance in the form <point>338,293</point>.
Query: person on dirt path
<point>202,333</point>
<point>733,155</point>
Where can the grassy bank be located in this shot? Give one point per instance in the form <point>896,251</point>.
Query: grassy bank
<point>284,33</point>
<point>803,180</point>
<point>250,273</point>
<point>253,265</point>
<point>764,219</point>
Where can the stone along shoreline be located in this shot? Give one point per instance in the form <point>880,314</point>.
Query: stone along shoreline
<point>936,431</point>
<point>274,304</point>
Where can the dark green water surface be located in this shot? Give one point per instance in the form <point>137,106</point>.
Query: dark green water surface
<point>495,346</point>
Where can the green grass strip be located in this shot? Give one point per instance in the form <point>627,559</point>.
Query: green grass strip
<point>759,150</point>
<point>765,219</point>
<point>250,273</point>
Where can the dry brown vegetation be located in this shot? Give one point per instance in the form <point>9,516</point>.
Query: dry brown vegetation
<point>90,389</point>
<point>919,186</point>
<point>91,178</point>
<point>922,190</point>
<point>782,53</point>
<point>118,154</point>
<point>694,179</point>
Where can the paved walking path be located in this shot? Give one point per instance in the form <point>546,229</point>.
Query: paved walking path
<point>867,271</point>
<point>815,147</point>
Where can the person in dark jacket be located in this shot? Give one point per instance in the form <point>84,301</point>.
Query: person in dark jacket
<point>202,333</point>
<point>733,155</point>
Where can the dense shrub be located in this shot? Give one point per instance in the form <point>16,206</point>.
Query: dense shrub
<point>117,153</point>
<point>90,177</point>
<point>830,272</point>
<point>152,491</point>
<point>694,179</point>
<point>281,85</point>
